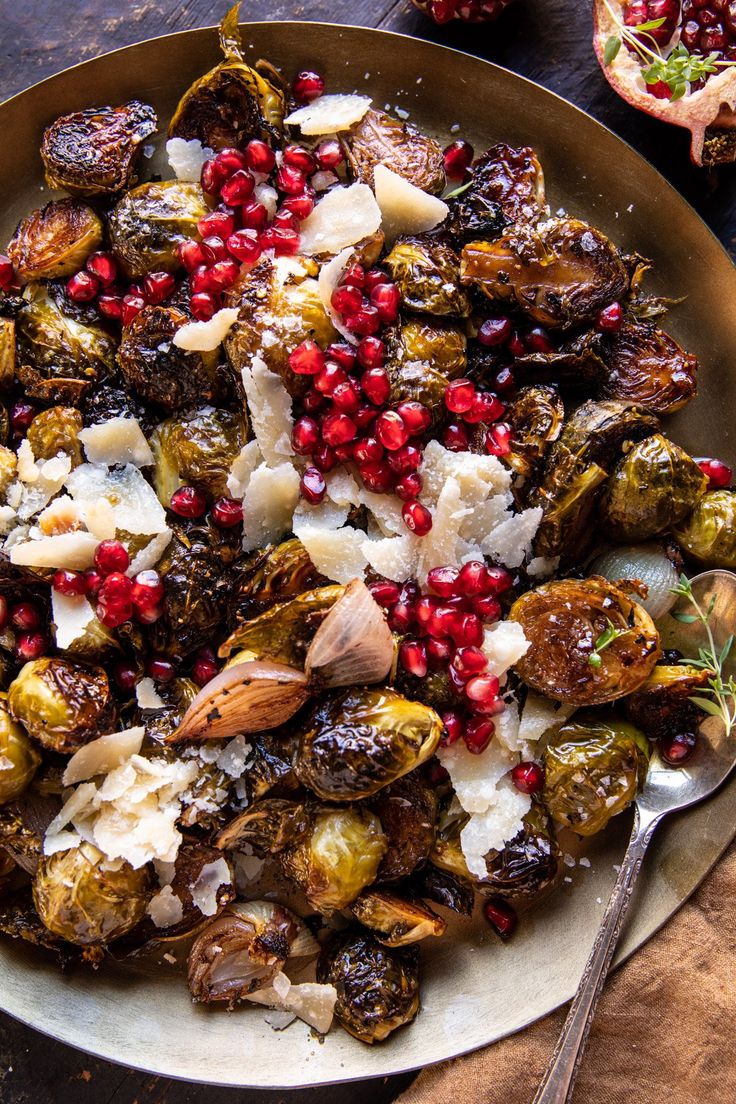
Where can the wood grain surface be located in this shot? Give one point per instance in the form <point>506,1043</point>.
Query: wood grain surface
<point>548,41</point>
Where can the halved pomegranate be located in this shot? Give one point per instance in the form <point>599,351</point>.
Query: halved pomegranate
<point>471,11</point>
<point>676,61</point>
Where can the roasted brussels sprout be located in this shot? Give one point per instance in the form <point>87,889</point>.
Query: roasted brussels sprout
<point>337,858</point>
<point>19,920</point>
<point>60,703</point>
<point>377,987</point>
<point>197,448</point>
<point>536,416</point>
<point>358,741</point>
<point>232,102</point>
<point>506,186</point>
<point>274,574</point>
<point>19,759</point>
<point>54,431</point>
<point>284,632</point>
<point>443,888</point>
<point>268,826</point>
<point>654,487</point>
<point>112,401</point>
<point>647,367</point>
<point>574,362</point>
<point>94,152</point>
<point>427,272</point>
<point>407,809</point>
<point>708,535</point>
<point>177,696</point>
<point>589,642</point>
<point>55,240</point>
<point>269,765</point>
<point>396,921</point>
<point>423,356</point>
<point>58,358</point>
<point>157,370</point>
<point>278,298</point>
<point>379,139</point>
<point>593,768</point>
<point>197,593</point>
<point>528,864</point>
<point>151,221</point>
<point>7,355</point>
<point>560,275</point>
<point>662,706</point>
<point>25,819</point>
<point>84,902</point>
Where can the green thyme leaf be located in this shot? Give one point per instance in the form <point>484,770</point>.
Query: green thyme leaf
<point>707,706</point>
<point>612,47</point>
<point>685,618</point>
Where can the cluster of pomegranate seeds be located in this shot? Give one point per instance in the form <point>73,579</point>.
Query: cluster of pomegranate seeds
<point>638,12</point>
<point>190,502</point>
<point>709,26</point>
<point>501,916</point>
<point>96,283</point>
<point>719,474</point>
<point>472,407</point>
<point>118,598</point>
<point>25,619</point>
<point>470,11</point>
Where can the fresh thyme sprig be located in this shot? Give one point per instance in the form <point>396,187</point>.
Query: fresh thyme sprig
<point>607,637</point>
<point>722,704</point>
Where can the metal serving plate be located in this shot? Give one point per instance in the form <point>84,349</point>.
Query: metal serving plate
<point>474,990</point>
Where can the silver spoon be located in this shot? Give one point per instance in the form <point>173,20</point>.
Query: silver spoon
<point>666,790</point>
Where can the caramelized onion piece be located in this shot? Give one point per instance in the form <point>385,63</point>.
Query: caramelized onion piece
<point>353,645</point>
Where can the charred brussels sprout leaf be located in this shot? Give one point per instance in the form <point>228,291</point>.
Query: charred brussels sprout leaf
<point>151,221</point>
<point>284,632</point>
<point>654,487</point>
<point>358,741</point>
<point>506,186</point>
<point>407,810</point>
<point>528,863</point>
<point>197,448</point>
<point>19,757</point>
<point>157,370</point>
<point>272,575</point>
<point>19,920</point>
<point>111,401</point>
<point>269,764</point>
<point>423,356</point>
<point>177,696</point>
<point>536,416</point>
<point>377,987</point>
<point>197,593</point>
<point>708,535</point>
<point>566,623</point>
<point>427,272</point>
<point>60,703</point>
<point>55,240</point>
<point>269,826</point>
<point>593,770</point>
<point>576,362</point>
<point>379,139</point>
<point>444,888</point>
<point>647,367</point>
<point>94,152</point>
<point>560,276</point>
<point>56,430</point>
<point>662,706</point>
<point>396,921</point>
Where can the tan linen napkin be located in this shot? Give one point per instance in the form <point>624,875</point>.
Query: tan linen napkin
<point>664,1032</point>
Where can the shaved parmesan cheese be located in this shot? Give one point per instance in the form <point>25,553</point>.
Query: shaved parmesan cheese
<point>39,481</point>
<point>330,275</point>
<point>187,157</point>
<point>337,553</point>
<point>243,466</point>
<point>344,217</point>
<point>475,777</point>
<point>489,831</point>
<point>71,616</point>
<point>27,470</point>
<point>268,196</point>
<point>310,1001</point>
<point>147,695</point>
<point>117,441</point>
<point>60,516</point>
<point>269,404</point>
<point>75,551</point>
<point>542,566</point>
<point>279,1021</point>
<point>204,890</point>
<point>99,517</point>
<point>165,909</point>
<point>269,504</point>
<point>149,556</point>
<point>232,758</point>
<point>133,501</point>
<point>511,541</point>
<point>204,337</point>
<point>103,755</point>
<point>504,644</point>
<point>393,557</point>
<point>541,714</point>
<point>405,209</point>
<point>329,114</point>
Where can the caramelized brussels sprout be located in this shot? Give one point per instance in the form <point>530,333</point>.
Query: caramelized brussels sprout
<point>407,809</point>
<point>25,819</point>
<point>536,416</point>
<point>54,431</point>
<point>55,240</point>
<point>560,275</point>
<point>589,642</point>
<point>377,987</point>
<point>379,139</point>
<point>506,186</point>
<point>358,741</point>
<point>396,921</point>
<point>269,764</point>
<point>19,920</point>
<point>444,888</point>
<point>112,401</point>
<point>279,298</point>
<point>273,574</point>
<point>269,826</point>
<point>337,858</point>
<point>708,535</point>
<point>177,696</point>
<point>654,487</point>
<point>647,367</point>
<point>427,272</point>
<point>94,152</point>
<point>528,864</point>
<point>197,593</point>
<point>593,768</point>
<point>151,221</point>
<point>662,706</point>
<point>157,370</point>
<point>197,448</point>
<point>60,703</point>
<point>284,632</point>
<point>7,355</point>
<point>233,102</point>
<point>576,362</point>
<point>423,356</point>
<point>18,757</point>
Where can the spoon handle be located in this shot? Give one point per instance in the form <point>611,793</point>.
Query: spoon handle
<point>559,1079</point>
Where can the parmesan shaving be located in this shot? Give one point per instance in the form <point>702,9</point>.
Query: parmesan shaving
<point>344,217</point>
<point>405,209</point>
<point>187,157</point>
<point>310,1001</point>
<point>116,441</point>
<point>103,755</point>
<point>147,695</point>
<point>269,504</point>
<point>165,909</point>
<point>133,501</point>
<point>75,551</point>
<point>204,890</point>
<point>329,114</point>
<point>71,616</point>
<point>205,337</point>
<point>269,404</point>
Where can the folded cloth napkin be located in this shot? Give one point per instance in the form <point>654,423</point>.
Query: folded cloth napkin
<point>664,1031</point>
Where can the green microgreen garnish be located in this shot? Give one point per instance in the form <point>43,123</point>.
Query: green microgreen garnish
<point>722,688</point>
<point>607,637</point>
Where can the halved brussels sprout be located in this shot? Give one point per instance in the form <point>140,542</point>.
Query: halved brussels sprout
<point>85,902</point>
<point>284,632</point>
<point>575,362</point>
<point>268,826</point>
<point>19,759</point>
<point>396,921</point>
<point>661,706</point>
<point>654,487</point>
<point>232,102</point>
<point>197,448</point>
<point>377,987</point>
<point>427,272</point>
<point>443,888</point>
<point>593,768</point>
<point>647,367</point>
<point>589,642</point>
<point>358,741</point>
<point>536,416</point>
<point>197,594</point>
<point>60,703</point>
<point>407,809</point>
<point>269,765</point>
<point>708,535</point>
<point>506,186</point>
<point>273,574</point>
<point>379,139</point>
<point>423,356</point>
<point>151,221</point>
<point>58,358</point>
<point>25,819</point>
<point>55,240</point>
<point>160,372</point>
<point>94,152</point>
<point>338,856</point>
<point>19,920</point>
<point>560,275</point>
<point>54,431</point>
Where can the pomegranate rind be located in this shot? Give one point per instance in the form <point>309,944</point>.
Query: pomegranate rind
<point>711,107</point>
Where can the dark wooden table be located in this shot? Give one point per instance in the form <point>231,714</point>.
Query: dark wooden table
<point>546,40</point>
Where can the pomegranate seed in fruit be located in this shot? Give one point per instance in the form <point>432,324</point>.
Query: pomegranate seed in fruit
<point>71,583</point>
<point>719,474</point>
<point>376,385</point>
<point>30,645</point>
<point>25,616</point>
<point>223,274</point>
<point>384,592</point>
<point>478,734</point>
<point>528,777</point>
<point>82,287</point>
<point>188,502</point>
<point>472,580</point>
<point>408,486</point>
<point>377,476</point>
<point>114,601</point>
<point>443,580</point>
<point>610,319</point>
<point>504,381</point>
<point>329,378</point>
<point>537,340</point>
<point>498,439</point>
<point>415,416</point>
<point>495,331</point>
<point>238,189</point>
<point>103,266</point>
<point>439,652</point>
<point>363,322</point>
<point>226,513</point>
<point>458,157</point>
<point>148,590</point>
<point>125,675</point>
<point>454,727</point>
<point>4,610</point>
<point>404,460</point>
<point>259,156</point>
<point>487,608</point>
<point>254,216</point>
<point>347,299</point>
<point>371,352</point>
<point>7,275</point>
<point>158,286</point>
<point>469,661</point>
<point>413,658</point>
<point>343,354</point>
<point>386,298</point>
<point>94,581</point>
<point>308,85</point>
<point>417,518</point>
<point>329,154</point>
<point>304,436</point>
<point>338,429</point>
<point>368,449</point>
<point>455,438</point>
<point>501,916</point>
<point>401,617</point>
<point>159,668</point>
<point>391,431</point>
<point>23,414</point>
<point>301,206</point>
<point>459,395</point>
<point>131,307</point>
<point>111,556</point>
<point>469,630</point>
<point>204,305</point>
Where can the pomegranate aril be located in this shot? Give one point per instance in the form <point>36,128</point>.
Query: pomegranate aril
<point>610,319</point>
<point>324,457</point>
<point>21,416</point>
<point>417,518</point>
<point>71,583</point>
<point>114,601</point>
<point>244,246</point>
<point>212,177</point>
<point>459,395</point>
<point>192,255</point>
<point>371,352</point>
<point>111,557</point>
<point>376,385</point>
<point>365,321</point>
<point>159,668</point>
<point>329,154</point>
<point>103,266</point>
<point>94,581</point>
<point>200,280</point>
<point>377,476</point>
<point>223,274</point>
<point>329,378</point>
<point>677,749</point>
<point>354,275</point>
<point>502,918</point>
<point>7,274</point>
<point>30,645</point>
<point>391,430</point>
<point>386,298</point>
<point>455,438</point>
<point>204,667</point>
<point>498,439</point>
<point>132,306</point>
<point>345,397</point>
<point>458,157</point>
<point>404,460</point>
<point>259,156</point>
<point>384,592</point>
<point>204,305</point>
<point>487,608</point>
<point>468,630</point>
<point>528,777</point>
<point>537,340</point>
<point>343,354</point>
<point>229,161</point>
<point>495,331</point>
<point>158,286</point>
<point>469,661</point>
<point>307,359</point>
<point>226,513</point>
<point>485,407</point>
<point>424,608</point>
<point>238,189</point>
<point>472,580</point>
<point>478,734</point>
<point>254,216</point>
<point>148,590</point>
<point>504,381</point>
<point>285,220</point>
<point>304,436</point>
<point>415,416</point>
<point>308,85</point>
<point>719,474</point>
<point>368,449</point>
<point>217,224</point>
<point>299,158</point>
<point>413,658</point>
<point>337,429</point>
<point>301,206</point>
<point>284,242</point>
<point>290,180</point>
<point>188,502</point>
<point>125,675</point>
<point>82,287</point>
<point>408,486</point>
<point>401,617</point>
<point>346,300</point>
<point>25,616</point>
<point>443,580</point>
<point>439,652</point>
